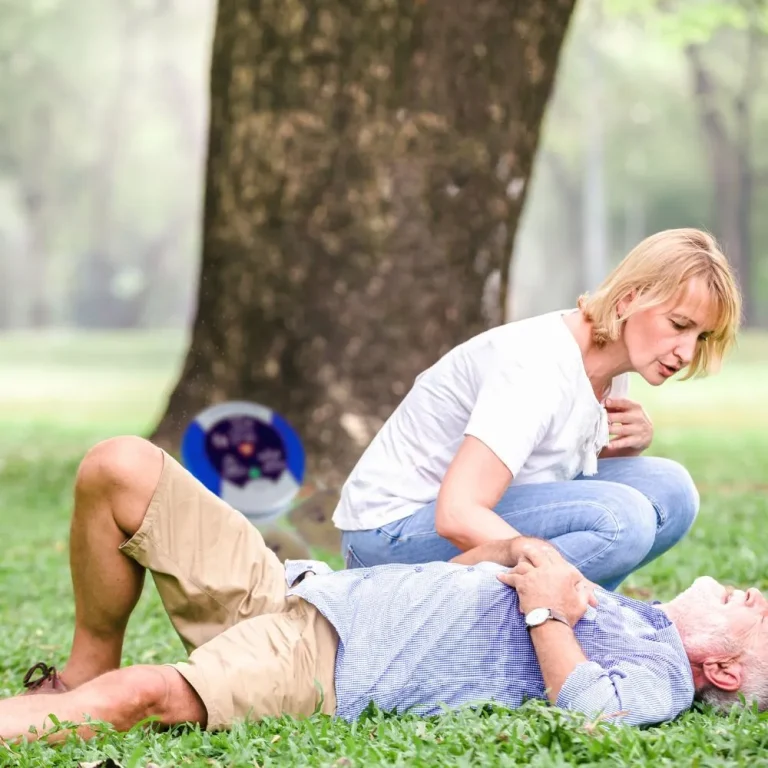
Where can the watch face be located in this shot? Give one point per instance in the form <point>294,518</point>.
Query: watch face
<point>536,616</point>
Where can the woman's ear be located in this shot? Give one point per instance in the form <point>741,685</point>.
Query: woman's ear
<point>622,305</point>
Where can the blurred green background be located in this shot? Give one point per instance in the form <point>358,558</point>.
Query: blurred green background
<point>103,136</point>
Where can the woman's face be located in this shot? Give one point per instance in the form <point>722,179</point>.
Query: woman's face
<point>662,340</point>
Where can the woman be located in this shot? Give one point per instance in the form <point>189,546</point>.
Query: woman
<point>527,427</point>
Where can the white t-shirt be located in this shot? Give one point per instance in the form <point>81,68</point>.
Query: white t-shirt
<point>520,388</point>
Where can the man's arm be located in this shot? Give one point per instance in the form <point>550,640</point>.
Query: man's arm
<point>635,690</point>
<point>558,652</point>
<point>637,687</point>
<point>545,580</point>
<point>297,570</point>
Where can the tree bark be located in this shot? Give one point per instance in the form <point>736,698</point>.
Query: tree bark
<point>367,164</point>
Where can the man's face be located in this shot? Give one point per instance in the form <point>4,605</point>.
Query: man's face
<point>662,340</point>
<point>718,620</point>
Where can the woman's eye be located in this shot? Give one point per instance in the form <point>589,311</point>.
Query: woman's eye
<point>677,326</point>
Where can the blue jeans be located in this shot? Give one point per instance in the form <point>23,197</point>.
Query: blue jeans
<point>608,525</point>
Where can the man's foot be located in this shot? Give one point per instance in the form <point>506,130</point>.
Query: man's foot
<point>47,682</point>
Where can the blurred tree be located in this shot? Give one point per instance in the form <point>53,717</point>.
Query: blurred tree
<point>125,262</point>
<point>724,45</point>
<point>368,162</point>
<point>726,113</point>
<point>616,160</point>
<point>94,302</point>
<point>102,115</point>
<point>27,60</point>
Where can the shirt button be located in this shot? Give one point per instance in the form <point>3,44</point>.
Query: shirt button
<point>419,569</point>
<point>367,576</point>
<point>471,568</point>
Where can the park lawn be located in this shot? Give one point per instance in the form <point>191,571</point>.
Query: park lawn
<point>61,393</point>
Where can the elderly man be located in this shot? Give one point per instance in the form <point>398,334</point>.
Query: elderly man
<point>506,621</point>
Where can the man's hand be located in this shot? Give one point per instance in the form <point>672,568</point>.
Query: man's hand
<point>630,427</point>
<point>548,581</point>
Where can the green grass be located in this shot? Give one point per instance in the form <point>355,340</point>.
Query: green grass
<point>61,393</point>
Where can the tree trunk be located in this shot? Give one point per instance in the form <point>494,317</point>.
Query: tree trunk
<point>367,165</point>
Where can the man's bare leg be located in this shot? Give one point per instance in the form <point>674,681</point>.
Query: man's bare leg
<point>122,697</point>
<point>114,486</point>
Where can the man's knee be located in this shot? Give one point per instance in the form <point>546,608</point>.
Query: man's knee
<point>127,466</point>
<point>116,462</point>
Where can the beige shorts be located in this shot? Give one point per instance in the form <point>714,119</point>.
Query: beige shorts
<point>253,651</point>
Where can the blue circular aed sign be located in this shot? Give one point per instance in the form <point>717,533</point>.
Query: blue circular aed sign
<point>246,454</point>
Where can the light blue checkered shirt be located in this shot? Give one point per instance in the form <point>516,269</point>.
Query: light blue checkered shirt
<point>420,637</point>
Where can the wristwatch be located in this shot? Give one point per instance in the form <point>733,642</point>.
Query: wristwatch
<point>539,616</point>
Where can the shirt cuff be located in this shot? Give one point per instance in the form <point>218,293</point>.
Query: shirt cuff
<point>295,568</point>
<point>581,693</point>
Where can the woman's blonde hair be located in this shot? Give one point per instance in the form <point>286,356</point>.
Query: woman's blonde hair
<point>654,272</point>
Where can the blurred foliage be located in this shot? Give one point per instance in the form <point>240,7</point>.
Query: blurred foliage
<point>103,116</point>
<point>687,22</point>
<point>102,125</point>
<point>656,160</point>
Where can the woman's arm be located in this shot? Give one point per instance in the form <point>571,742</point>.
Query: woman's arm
<point>475,481</point>
<point>513,412</point>
<point>506,552</point>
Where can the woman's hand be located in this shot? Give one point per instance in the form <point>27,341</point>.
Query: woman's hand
<point>630,427</point>
<point>508,552</point>
<point>529,549</point>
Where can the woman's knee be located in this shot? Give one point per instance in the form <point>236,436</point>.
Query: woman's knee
<point>625,526</point>
<point>673,494</point>
<point>127,466</point>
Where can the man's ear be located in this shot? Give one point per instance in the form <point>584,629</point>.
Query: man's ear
<point>725,674</point>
